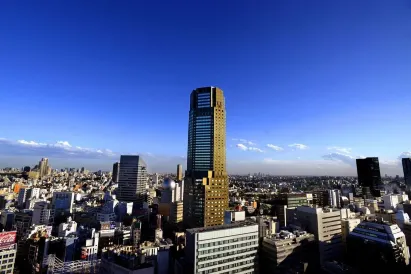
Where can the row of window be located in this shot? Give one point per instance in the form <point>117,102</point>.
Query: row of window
<point>217,243</point>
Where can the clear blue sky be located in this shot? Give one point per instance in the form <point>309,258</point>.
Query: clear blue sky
<point>117,75</point>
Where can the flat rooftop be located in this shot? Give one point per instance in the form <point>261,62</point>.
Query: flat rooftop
<point>221,227</point>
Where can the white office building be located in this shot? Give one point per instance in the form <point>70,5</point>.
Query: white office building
<point>334,198</point>
<point>222,249</point>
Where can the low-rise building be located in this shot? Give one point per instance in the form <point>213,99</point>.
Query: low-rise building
<point>286,251</point>
<point>230,247</point>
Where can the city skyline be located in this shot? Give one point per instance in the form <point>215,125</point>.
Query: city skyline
<point>75,84</point>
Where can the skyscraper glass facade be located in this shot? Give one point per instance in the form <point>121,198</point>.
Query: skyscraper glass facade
<point>206,182</point>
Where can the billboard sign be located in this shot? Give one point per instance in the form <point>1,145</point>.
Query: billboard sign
<point>7,239</point>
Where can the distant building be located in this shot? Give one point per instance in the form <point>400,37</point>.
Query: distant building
<point>179,172</point>
<point>369,176</point>
<point>334,197</point>
<point>43,167</point>
<point>116,172</point>
<point>406,165</point>
<point>132,179</point>
<point>380,243</point>
<point>218,249</point>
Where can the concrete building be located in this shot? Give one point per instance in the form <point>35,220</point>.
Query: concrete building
<point>171,203</point>
<point>286,251</point>
<point>90,249</point>
<point>132,179</point>
<point>334,196</point>
<point>380,243</point>
<point>7,220</point>
<point>222,249</point>
<point>325,224</point>
<point>206,180</point>
<point>231,216</point>
<point>67,228</point>
<point>8,249</point>
<point>42,213</point>
<point>62,202</point>
<point>348,225</point>
<point>390,201</point>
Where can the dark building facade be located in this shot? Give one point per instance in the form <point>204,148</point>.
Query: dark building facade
<point>116,172</point>
<point>406,165</point>
<point>369,176</point>
<point>206,180</point>
<point>132,179</point>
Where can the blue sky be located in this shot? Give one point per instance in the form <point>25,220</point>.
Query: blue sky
<point>334,77</point>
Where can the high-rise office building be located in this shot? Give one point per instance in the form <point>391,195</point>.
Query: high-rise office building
<point>179,172</point>
<point>406,165</point>
<point>43,167</point>
<point>132,179</point>
<point>206,180</point>
<point>116,169</point>
<point>369,176</point>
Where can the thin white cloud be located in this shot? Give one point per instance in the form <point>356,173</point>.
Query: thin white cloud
<point>31,143</point>
<point>63,144</point>
<point>57,149</point>
<point>298,146</point>
<point>274,147</point>
<point>241,146</point>
<point>336,156</point>
<point>255,149</point>
<point>340,149</point>
<point>244,141</point>
<point>245,148</point>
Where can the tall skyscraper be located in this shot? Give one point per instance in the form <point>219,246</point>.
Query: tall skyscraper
<point>43,167</point>
<point>179,172</point>
<point>116,169</point>
<point>206,181</point>
<point>132,179</point>
<point>369,176</point>
<point>406,165</point>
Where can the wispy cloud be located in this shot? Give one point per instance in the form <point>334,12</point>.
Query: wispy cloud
<point>274,147</point>
<point>336,156</point>
<point>57,149</point>
<point>298,146</point>
<point>340,149</point>
<point>244,141</point>
<point>245,148</point>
